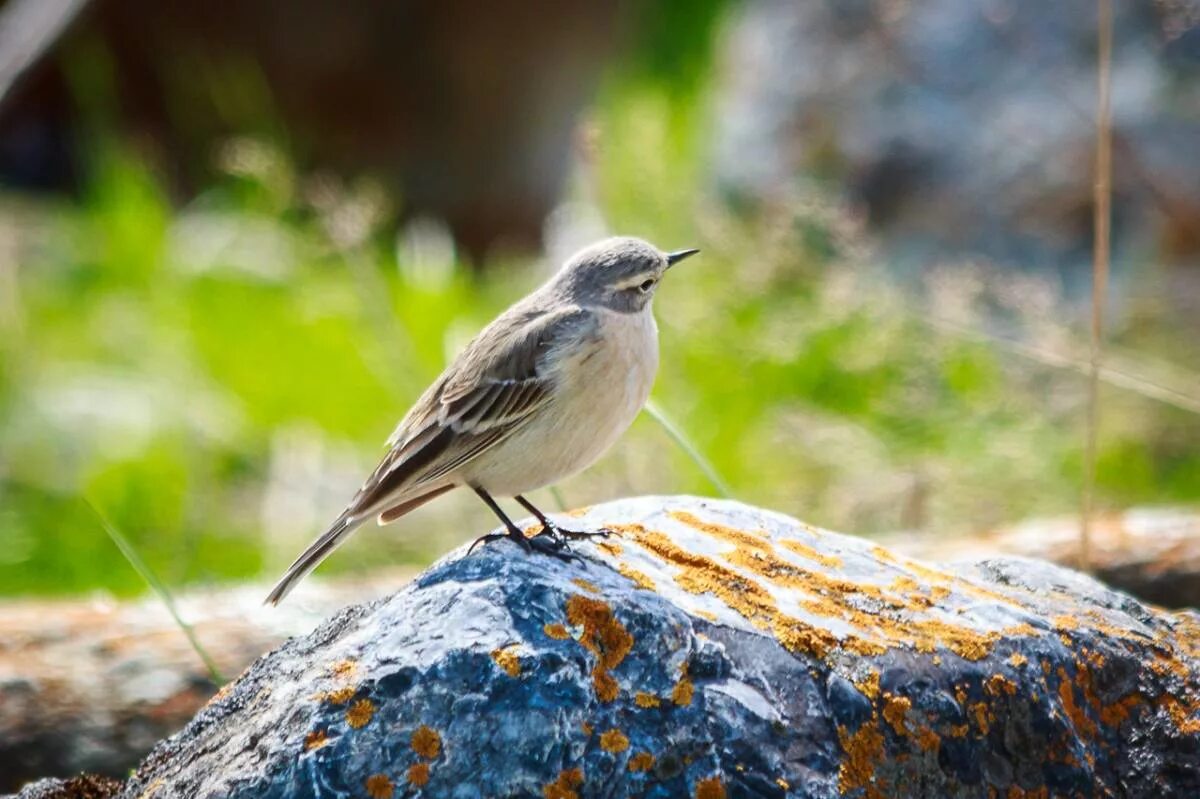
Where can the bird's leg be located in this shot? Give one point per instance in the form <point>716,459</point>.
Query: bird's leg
<point>553,530</point>
<point>553,548</point>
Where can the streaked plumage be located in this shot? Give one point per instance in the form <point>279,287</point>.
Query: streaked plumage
<point>537,396</point>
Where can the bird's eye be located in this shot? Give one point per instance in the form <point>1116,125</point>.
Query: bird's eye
<point>646,285</point>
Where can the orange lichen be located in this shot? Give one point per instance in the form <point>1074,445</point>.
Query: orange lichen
<point>1182,717</point>
<point>1016,660</point>
<point>983,716</point>
<point>611,547</point>
<point>379,786</point>
<point>315,740</point>
<point>869,685</point>
<point>959,731</point>
<point>1115,714</point>
<point>556,631</point>
<point>710,788</point>
<point>360,713</point>
<point>640,579</point>
<point>564,787</point>
<point>508,660</point>
<point>604,636</point>
<point>591,588</point>
<point>642,761</point>
<point>805,551</point>
<point>418,774</point>
<point>895,708</point>
<point>1078,716</point>
<point>614,741</point>
<point>683,691</point>
<point>863,750</point>
<point>830,598</point>
<point>644,699</point>
<point>343,669</point>
<point>928,740</point>
<point>339,697</point>
<point>731,534</point>
<point>998,684</point>
<point>586,727</point>
<point>426,742</point>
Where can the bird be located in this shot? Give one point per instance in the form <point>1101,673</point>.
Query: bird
<point>537,396</point>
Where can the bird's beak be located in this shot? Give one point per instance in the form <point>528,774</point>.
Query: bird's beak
<point>677,256</point>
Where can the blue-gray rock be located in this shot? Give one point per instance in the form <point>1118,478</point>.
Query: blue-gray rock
<point>710,649</point>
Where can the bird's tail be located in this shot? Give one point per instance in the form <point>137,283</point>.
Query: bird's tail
<point>350,520</point>
<point>317,551</point>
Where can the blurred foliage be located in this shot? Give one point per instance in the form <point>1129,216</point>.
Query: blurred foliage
<point>219,377</point>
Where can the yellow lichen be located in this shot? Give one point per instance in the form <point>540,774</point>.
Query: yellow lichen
<point>710,788</point>
<point>315,740</point>
<point>644,699</point>
<point>640,579</point>
<point>591,588</point>
<point>869,686</point>
<point>863,749</point>
<point>343,669</point>
<point>614,741</point>
<point>782,783</point>
<point>706,614</point>
<point>998,684</point>
<point>805,551</point>
<point>642,761</point>
<point>360,713</point>
<point>556,631</point>
<point>418,774</point>
<point>611,547</point>
<point>683,691</point>
<point>426,742</point>
<point>564,787</point>
<point>604,636</point>
<point>895,708</point>
<point>339,697</point>
<point>508,660</point>
<point>1016,660</point>
<point>379,786</point>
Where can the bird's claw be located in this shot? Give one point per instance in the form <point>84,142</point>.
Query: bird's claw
<point>543,543</point>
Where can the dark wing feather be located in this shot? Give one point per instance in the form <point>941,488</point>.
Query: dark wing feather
<point>487,393</point>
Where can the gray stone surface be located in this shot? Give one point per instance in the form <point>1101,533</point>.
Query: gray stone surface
<point>710,649</point>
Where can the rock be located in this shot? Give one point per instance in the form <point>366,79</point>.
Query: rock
<point>1152,553</point>
<point>92,685</point>
<point>85,786</point>
<point>711,649</point>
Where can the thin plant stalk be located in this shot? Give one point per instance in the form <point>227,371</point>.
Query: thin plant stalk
<point>1101,252</point>
<point>680,438</point>
<point>156,585</point>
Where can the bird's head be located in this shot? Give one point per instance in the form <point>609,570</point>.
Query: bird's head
<point>618,273</point>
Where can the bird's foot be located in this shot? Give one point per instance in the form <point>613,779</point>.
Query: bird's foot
<point>542,543</point>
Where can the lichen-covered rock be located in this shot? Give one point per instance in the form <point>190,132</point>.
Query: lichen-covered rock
<point>710,649</point>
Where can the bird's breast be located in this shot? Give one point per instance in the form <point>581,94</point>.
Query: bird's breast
<point>600,386</point>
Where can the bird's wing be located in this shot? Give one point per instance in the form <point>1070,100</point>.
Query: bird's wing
<point>490,390</point>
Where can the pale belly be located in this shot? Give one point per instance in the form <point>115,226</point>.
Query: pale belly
<point>600,395</point>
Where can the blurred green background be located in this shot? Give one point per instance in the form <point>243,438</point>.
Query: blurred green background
<point>217,368</point>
